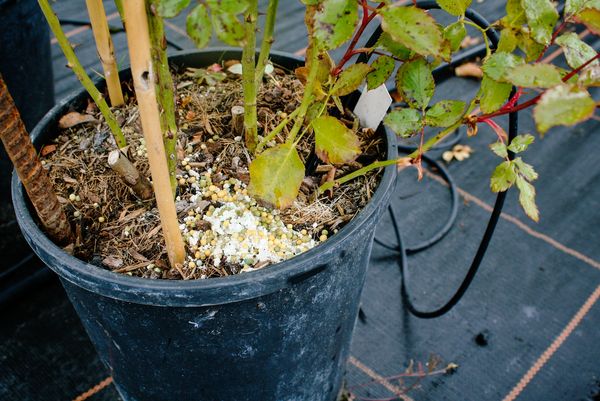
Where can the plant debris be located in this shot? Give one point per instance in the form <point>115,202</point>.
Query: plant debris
<point>225,230</point>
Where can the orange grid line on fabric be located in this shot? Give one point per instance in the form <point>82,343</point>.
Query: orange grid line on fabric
<point>545,357</point>
<point>94,390</point>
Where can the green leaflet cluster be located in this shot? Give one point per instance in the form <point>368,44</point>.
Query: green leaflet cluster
<point>413,43</point>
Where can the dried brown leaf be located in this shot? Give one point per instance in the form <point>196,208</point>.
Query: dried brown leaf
<point>46,150</point>
<point>74,118</point>
<point>472,70</point>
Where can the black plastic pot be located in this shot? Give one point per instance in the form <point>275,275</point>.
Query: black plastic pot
<point>26,67</point>
<point>280,333</point>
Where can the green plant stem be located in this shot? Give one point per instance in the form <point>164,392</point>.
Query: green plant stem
<point>249,77</point>
<point>75,65</point>
<point>488,50</point>
<point>414,155</point>
<point>267,41</point>
<point>164,91</point>
<point>119,5</point>
<point>356,174</point>
<point>308,95</point>
<point>275,131</point>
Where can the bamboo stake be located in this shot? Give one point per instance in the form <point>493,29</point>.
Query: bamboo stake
<point>138,39</point>
<point>79,71</point>
<point>164,90</point>
<point>249,77</point>
<point>33,176</point>
<point>106,51</point>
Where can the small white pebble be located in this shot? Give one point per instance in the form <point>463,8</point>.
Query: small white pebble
<point>76,213</point>
<point>72,197</point>
<point>101,219</point>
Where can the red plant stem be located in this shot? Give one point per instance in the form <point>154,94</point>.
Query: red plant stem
<point>536,99</point>
<point>366,19</point>
<point>371,50</point>
<point>519,92</point>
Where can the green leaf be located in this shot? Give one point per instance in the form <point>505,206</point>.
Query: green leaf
<point>508,40</point>
<point>590,76</point>
<point>404,122</point>
<point>335,22</point>
<point>590,17</point>
<point>386,42</point>
<point>382,69</point>
<point>499,149</point>
<point>563,105</point>
<point>503,177</point>
<point>527,198</point>
<point>524,169</point>
<point>413,28</point>
<point>350,79</point>
<point>415,83</point>
<point>198,26</point>
<point>520,143</point>
<point>534,76</point>
<point>228,6</point>
<point>170,8</point>
<point>334,142</point>
<point>454,7</point>
<point>497,65</point>
<point>454,34</point>
<point>445,113</point>
<point>276,175</point>
<point>541,18</point>
<point>228,28</point>
<point>493,94</point>
<point>530,47</point>
<point>574,6</point>
<point>577,52</point>
<point>515,14</point>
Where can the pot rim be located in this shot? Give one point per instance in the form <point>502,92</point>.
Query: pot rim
<point>205,292</point>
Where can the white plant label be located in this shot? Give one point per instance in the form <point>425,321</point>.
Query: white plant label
<point>372,106</point>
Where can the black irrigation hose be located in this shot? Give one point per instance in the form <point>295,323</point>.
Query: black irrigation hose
<point>475,264</point>
<point>447,225</point>
<point>442,74</point>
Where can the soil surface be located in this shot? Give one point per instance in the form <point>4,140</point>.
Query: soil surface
<point>225,230</point>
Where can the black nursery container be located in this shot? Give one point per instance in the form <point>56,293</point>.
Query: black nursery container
<point>26,67</point>
<point>278,334</point>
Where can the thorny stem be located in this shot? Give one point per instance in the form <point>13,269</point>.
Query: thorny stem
<point>267,41</point>
<point>75,65</point>
<point>366,19</point>
<point>164,90</point>
<point>249,77</point>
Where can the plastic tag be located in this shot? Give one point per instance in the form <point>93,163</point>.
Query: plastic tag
<point>372,106</point>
